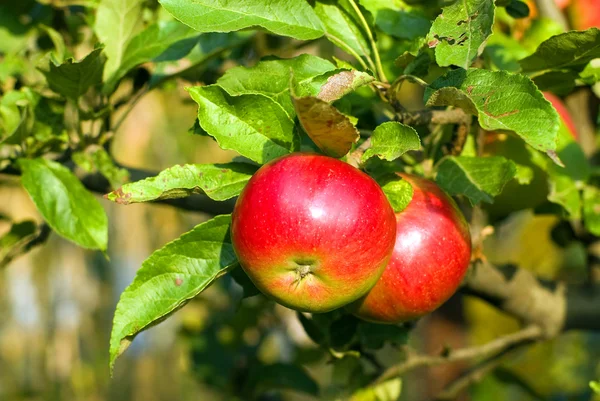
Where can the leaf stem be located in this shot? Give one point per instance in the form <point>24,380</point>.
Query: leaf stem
<point>350,51</point>
<point>379,67</point>
<point>134,100</point>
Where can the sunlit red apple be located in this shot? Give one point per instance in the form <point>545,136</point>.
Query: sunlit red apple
<point>313,232</point>
<point>431,256</point>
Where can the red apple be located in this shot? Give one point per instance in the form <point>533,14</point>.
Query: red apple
<point>585,14</point>
<point>313,232</point>
<point>431,255</point>
<point>564,114</point>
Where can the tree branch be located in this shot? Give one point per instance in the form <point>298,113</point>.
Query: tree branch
<point>553,306</point>
<point>519,293</point>
<point>423,117</point>
<point>354,158</point>
<point>494,347</point>
<point>476,374</point>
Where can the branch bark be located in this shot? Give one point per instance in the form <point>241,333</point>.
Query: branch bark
<point>423,117</point>
<point>487,350</point>
<point>476,374</point>
<point>553,306</point>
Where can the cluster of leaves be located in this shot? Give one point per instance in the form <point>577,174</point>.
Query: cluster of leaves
<point>57,117</point>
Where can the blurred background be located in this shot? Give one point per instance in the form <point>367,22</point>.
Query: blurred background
<point>57,302</point>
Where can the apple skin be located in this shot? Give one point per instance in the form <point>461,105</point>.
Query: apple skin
<point>584,14</point>
<point>431,256</point>
<point>313,232</point>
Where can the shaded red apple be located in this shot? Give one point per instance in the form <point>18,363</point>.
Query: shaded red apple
<point>313,232</point>
<point>431,255</point>
<point>564,114</point>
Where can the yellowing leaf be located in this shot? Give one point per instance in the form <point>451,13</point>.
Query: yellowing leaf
<point>329,129</point>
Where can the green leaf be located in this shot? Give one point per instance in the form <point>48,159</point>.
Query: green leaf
<point>15,117</point>
<point>253,125</point>
<point>329,129</point>
<point>524,174</point>
<point>558,82</point>
<point>501,101</point>
<point>567,181</point>
<point>97,159</point>
<point>239,276</point>
<point>209,46</point>
<point>342,26</point>
<point>72,79</point>
<point>389,390</point>
<point>398,191</point>
<point>595,386</point>
<point>570,50</point>
<point>460,31</point>
<point>272,79</point>
<point>342,83</point>
<point>170,277</point>
<point>591,210</point>
<point>65,204</point>
<point>18,231</point>
<point>517,9</point>
<point>401,22</point>
<point>12,65</point>
<point>26,113</point>
<point>342,332</point>
<point>218,181</point>
<point>12,242</point>
<point>116,23</point>
<point>391,140</point>
<point>292,18</point>
<point>280,376</point>
<point>375,336</point>
<point>15,25</point>
<point>478,178</point>
<point>591,73</point>
<point>504,51</point>
<point>149,44</point>
<point>312,329</point>
<point>58,42</point>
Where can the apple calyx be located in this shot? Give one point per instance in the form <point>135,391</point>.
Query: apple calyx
<point>304,268</point>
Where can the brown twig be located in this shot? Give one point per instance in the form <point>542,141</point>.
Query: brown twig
<point>354,158</point>
<point>477,373</point>
<point>462,132</point>
<point>424,117</point>
<point>414,360</point>
<point>521,294</point>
